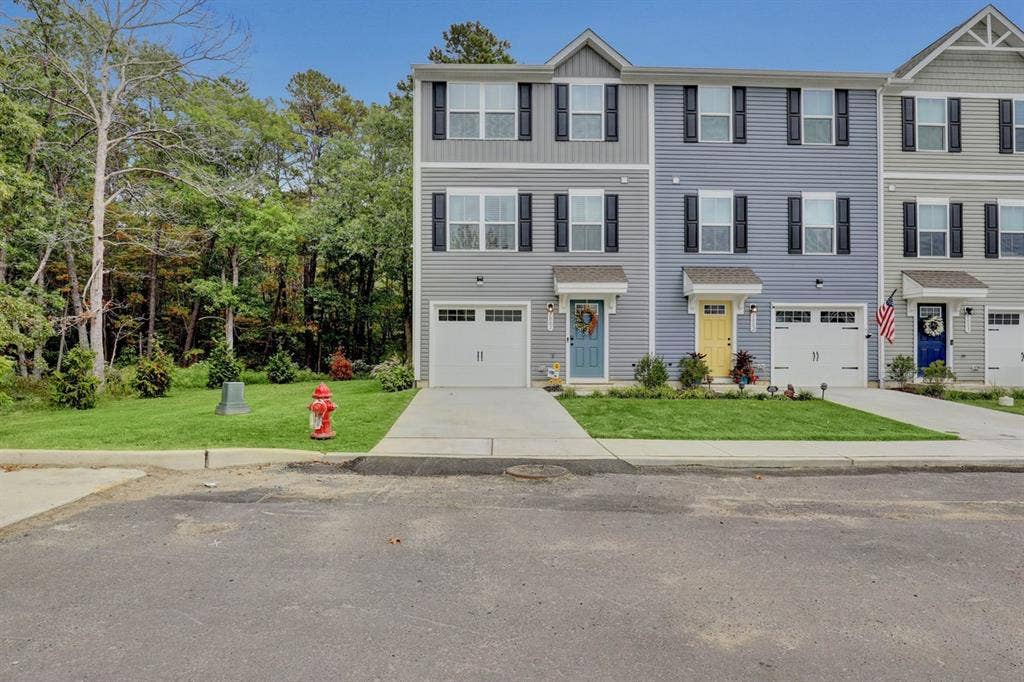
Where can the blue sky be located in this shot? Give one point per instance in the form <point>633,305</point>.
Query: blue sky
<point>368,46</point>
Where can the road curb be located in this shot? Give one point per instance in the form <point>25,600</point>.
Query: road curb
<point>179,460</point>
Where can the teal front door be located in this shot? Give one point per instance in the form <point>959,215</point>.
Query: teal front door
<point>587,333</point>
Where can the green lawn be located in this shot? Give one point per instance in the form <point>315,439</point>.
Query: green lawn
<point>185,420</point>
<point>736,420</point>
<point>992,404</point>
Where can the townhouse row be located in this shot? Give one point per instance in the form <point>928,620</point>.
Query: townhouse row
<point>574,215</point>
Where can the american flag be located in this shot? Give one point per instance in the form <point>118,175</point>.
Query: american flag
<point>886,320</point>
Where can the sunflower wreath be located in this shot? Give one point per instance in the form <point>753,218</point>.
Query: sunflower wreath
<point>933,326</point>
<point>586,319</point>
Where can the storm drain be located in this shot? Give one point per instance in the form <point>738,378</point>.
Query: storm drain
<point>536,472</point>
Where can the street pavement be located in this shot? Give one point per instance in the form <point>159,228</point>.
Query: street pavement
<point>316,572</point>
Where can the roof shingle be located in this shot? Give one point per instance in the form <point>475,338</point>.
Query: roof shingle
<point>590,274</point>
<point>721,275</point>
<point>945,279</point>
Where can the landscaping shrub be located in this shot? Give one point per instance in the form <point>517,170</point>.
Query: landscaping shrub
<point>744,367</point>
<point>568,392</point>
<point>393,375</point>
<point>341,366</point>
<point>697,394</point>
<point>223,366</point>
<point>6,381</point>
<point>361,369</point>
<point>693,370</point>
<point>74,385</point>
<point>153,375</point>
<point>935,377</point>
<point>651,371</point>
<point>901,370</point>
<point>642,392</point>
<point>805,394</point>
<point>253,377</point>
<point>281,369</point>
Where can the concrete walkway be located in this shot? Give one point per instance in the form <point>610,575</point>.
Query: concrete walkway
<point>967,421</point>
<point>28,492</point>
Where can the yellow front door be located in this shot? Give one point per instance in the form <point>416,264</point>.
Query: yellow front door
<point>716,336</point>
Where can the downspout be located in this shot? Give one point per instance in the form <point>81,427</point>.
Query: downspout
<point>880,234</point>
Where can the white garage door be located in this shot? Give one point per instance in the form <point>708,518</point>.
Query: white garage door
<point>1005,348</point>
<point>815,345</point>
<point>479,346</point>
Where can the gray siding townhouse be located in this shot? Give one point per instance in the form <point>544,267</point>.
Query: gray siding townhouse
<point>953,201</point>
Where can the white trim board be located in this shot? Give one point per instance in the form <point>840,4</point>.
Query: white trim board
<point>651,225</point>
<point>955,177</point>
<point>607,306</point>
<point>957,95</point>
<point>509,165</point>
<point>417,237</point>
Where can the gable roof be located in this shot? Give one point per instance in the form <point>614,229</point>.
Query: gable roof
<point>595,42</point>
<point>999,34</point>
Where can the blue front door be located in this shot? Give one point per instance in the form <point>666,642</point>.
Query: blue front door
<point>586,339</point>
<point>930,346</point>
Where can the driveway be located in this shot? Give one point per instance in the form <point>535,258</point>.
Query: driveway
<point>487,422</point>
<point>27,492</point>
<point>967,421</point>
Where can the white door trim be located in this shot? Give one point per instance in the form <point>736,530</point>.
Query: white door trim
<point>863,311</point>
<point>434,305</point>
<point>912,306</point>
<point>606,341</point>
<point>735,303</point>
<point>995,308</point>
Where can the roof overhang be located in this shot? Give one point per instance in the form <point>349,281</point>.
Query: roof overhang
<point>752,77</point>
<point>534,73</point>
<point>915,291</point>
<point>696,289</point>
<point>605,281</point>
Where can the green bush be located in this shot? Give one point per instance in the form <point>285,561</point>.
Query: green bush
<point>567,392</point>
<point>651,372</point>
<point>642,392</point>
<point>901,370</point>
<point>281,369</point>
<point>118,382</point>
<point>697,393</point>
<point>693,369</point>
<point>935,377</point>
<point>393,375</point>
<point>153,376</point>
<point>74,385</point>
<point>6,381</point>
<point>805,394</point>
<point>360,369</point>
<point>223,366</point>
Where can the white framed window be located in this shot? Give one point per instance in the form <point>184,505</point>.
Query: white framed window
<point>1011,228</point>
<point>586,220</point>
<point>818,113</point>
<point>715,221</point>
<point>1018,125</point>
<point>819,223</point>
<point>932,228</point>
<point>714,309</point>
<point>482,111</point>
<point>482,220</point>
<point>714,124</point>
<point>586,111</point>
<point>793,316</point>
<point>931,124</point>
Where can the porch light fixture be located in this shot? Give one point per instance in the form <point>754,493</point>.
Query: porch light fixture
<point>824,387</point>
<point>968,313</point>
<point>479,280</point>
<point>753,317</point>
<point>551,316</point>
<point>819,283</point>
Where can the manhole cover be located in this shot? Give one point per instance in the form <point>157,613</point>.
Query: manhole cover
<point>536,472</point>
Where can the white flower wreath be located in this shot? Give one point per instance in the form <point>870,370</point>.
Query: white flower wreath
<point>933,326</point>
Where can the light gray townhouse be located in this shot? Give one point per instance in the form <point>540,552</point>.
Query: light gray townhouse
<point>953,201</point>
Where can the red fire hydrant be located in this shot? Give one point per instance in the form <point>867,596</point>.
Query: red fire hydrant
<point>320,413</point>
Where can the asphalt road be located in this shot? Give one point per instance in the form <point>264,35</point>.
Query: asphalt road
<point>318,573</point>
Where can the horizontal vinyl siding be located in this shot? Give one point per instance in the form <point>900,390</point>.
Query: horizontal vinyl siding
<point>979,133</point>
<point>543,148</point>
<point>1004,276</point>
<point>586,63</point>
<point>527,275</point>
<point>766,170</point>
<point>957,71</point>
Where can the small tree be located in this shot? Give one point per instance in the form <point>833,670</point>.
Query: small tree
<point>341,367</point>
<point>651,372</point>
<point>153,375</point>
<point>74,385</point>
<point>935,377</point>
<point>281,369</point>
<point>901,370</point>
<point>693,369</point>
<point>224,366</point>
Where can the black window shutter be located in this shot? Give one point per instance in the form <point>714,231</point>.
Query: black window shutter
<point>910,229</point>
<point>953,123</point>
<point>793,117</point>
<point>843,225</point>
<point>611,222</point>
<point>611,113</point>
<point>690,113</point>
<point>796,233</point>
<point>739,115</point>
<point>739,224</point>
<point>440,108</point>
<point>561,222</point>
<point>526,112</point>
<point>561,112</point>
<point>692,225</point>
<point>526,222</point>
<point>440,224</point>
<point>1005,126</point>
<point>956,230</point>
<point>842,118</point>
<point>991,230</point>
<point>907,114</point>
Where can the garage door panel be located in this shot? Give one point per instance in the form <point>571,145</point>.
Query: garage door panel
<point>480,345</point>
<point>816,345</point>
<point>1005,339</point>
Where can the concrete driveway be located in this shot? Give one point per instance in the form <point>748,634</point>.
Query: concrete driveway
<point>488,422</point>
<point>967,421</point>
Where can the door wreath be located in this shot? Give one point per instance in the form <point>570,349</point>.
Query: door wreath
<point>586,319</point>
<point>933,326</point>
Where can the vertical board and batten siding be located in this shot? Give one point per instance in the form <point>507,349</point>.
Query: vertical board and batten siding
<point>958,71</point>
<point>586,63</point>
<point>1004,276</point>
<point>451,275</point>
<point>767,171</point>
<point>979,135</point>
<point>631,147</point>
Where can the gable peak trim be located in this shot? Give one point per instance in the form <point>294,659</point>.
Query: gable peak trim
<point>588,38</point>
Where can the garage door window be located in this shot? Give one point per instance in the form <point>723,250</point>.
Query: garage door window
<point>838,316</point>
<point>456,315</point>
<point>503,315</point>
<point>482,222</point>
<point>1004,318</point>
<point>791,316</point>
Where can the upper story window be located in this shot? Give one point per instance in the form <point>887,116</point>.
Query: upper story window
<point>482,222</point>
<point>586,220</point>
<point>1018,124</point>
<point>482,111</point>
<point>586,111</point>
<point>932,228</point>
<point>715,106</point>
<point>716,222</point>
<point>1011,228</point>
<point>818,116</point>
<point>931,124</point>
<point>819,223</point>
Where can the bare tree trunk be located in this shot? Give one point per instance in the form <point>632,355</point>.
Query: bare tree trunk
<point>99,211</point>
<point>76,298</point>
<point>151,322</point>
<point>229,312</point>
<point>193,322</point>
<point>37,362</point>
